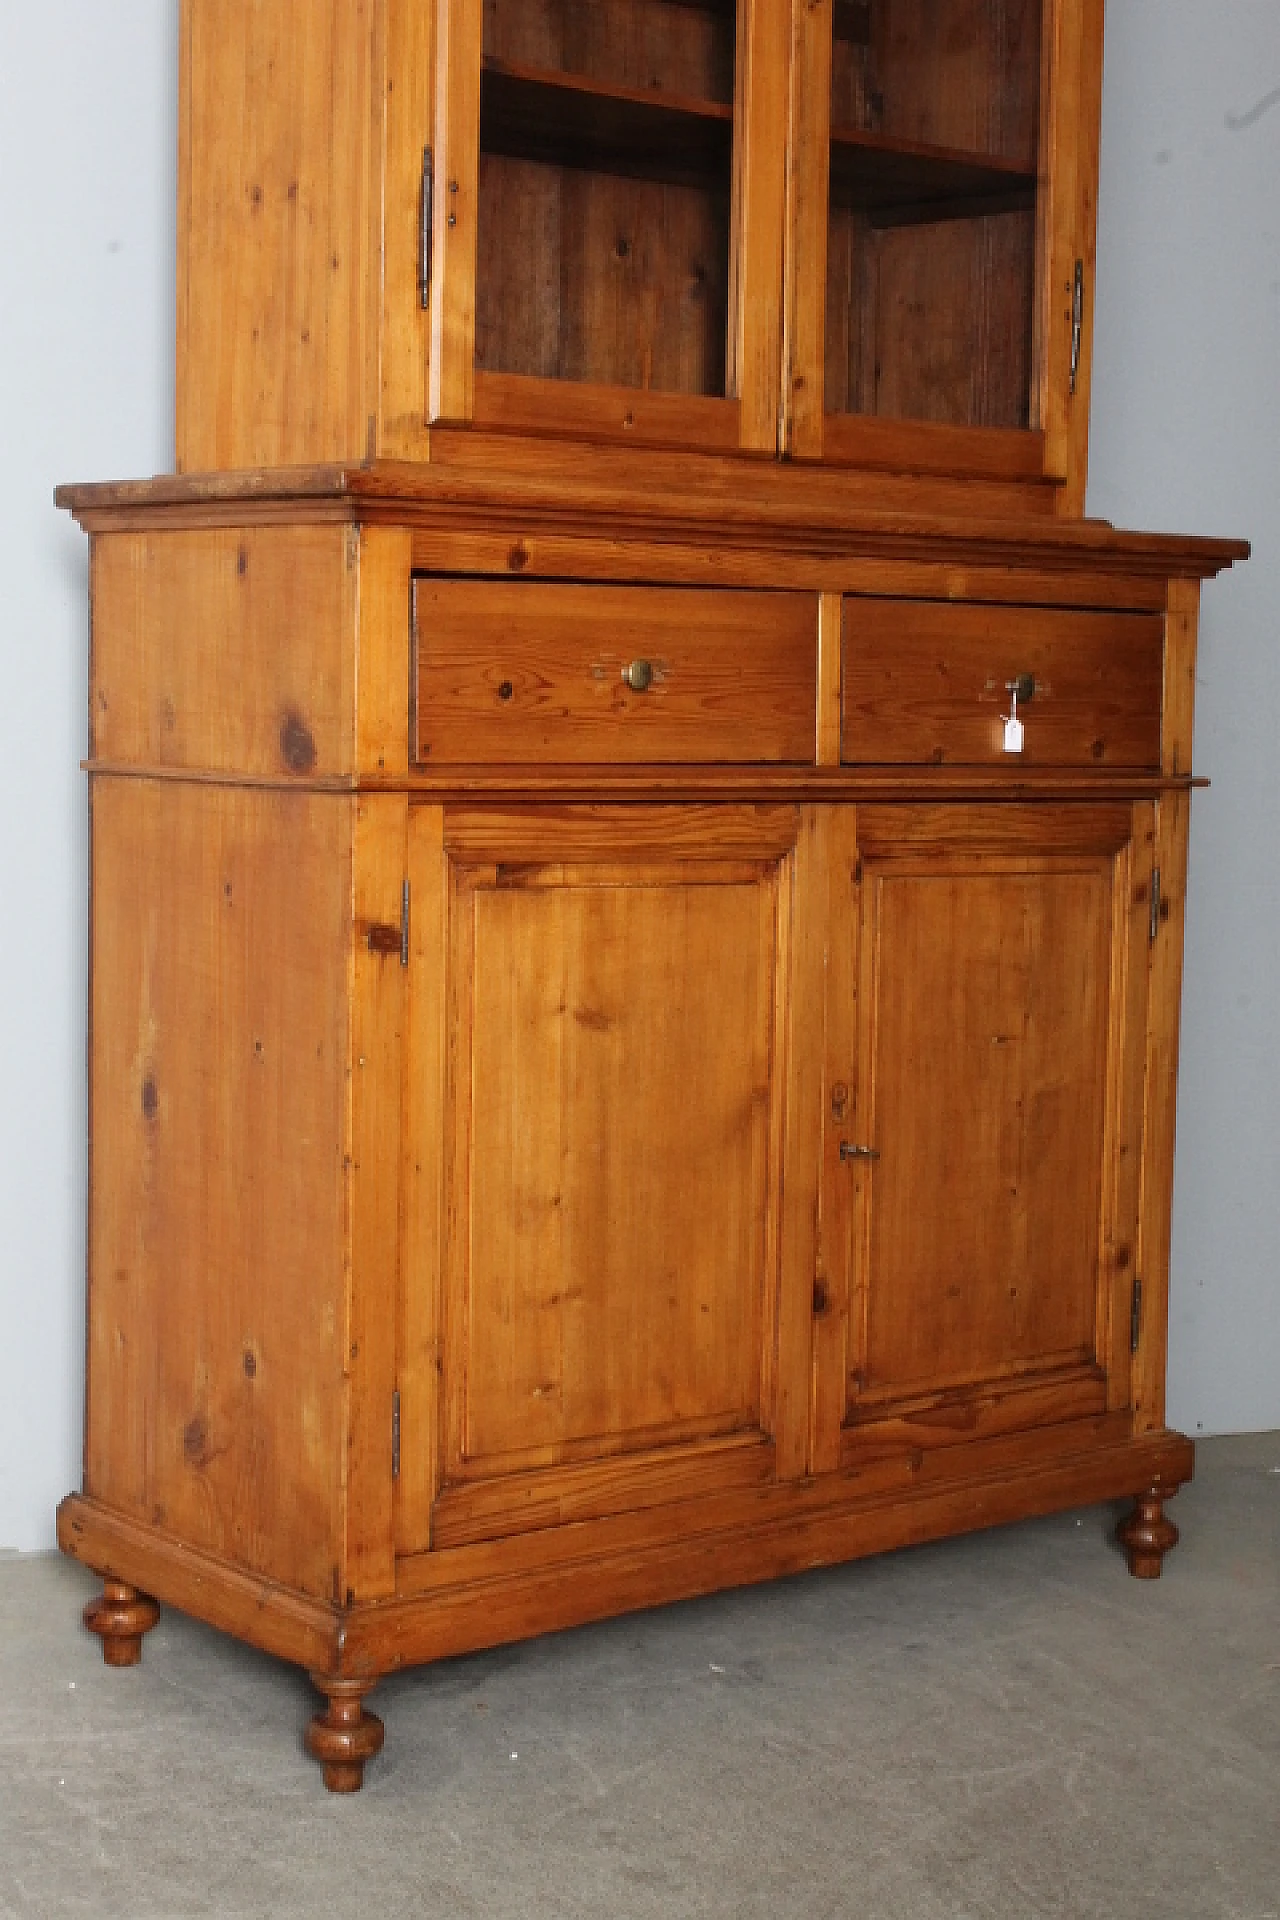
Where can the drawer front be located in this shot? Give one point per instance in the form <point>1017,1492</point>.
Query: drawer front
<point>926,682</point>
<point>521,671</point>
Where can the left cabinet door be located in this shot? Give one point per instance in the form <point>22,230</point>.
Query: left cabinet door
<point>604,1286</point>
<point>607,217</point>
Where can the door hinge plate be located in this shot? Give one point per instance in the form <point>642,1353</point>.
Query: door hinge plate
<point>395,1434</point>
<point>1135,1316</point>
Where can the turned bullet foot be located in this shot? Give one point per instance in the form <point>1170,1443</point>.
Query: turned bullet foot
<point>120,1617</point>
<point>345,1737</point>
<point>1147,1536</point>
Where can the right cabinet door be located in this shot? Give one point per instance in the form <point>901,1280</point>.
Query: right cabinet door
<point>986,1023</point>
<point>942,195</point>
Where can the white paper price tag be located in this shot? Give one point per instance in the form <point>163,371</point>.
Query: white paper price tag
<point>1013,734</point>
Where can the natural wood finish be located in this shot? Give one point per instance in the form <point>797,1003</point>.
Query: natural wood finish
<point>278,303</point>
<point>217,1086</point>
<point>373,1161</point>
<point>225,650</point>
<point>524,403</point>
<point>564,1141</point>
<point>344,1738</point>
<point>603,493</point>
<point>455,210</point>
<point>928,682</point>
<point>510,672</point>
<point>120,1616</point>
<point>564,1342</point>
<point>1147,1535</point>
<point>830,646</point>
<point>425,1229</point>
<point>1068,232</point>
<point>758,224</point>
<point>409,91</point>
<point>1001,965</point>
<point>805,256</point>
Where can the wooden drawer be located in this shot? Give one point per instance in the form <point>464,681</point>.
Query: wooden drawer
<point>510,671</point>
<point>926,682</point>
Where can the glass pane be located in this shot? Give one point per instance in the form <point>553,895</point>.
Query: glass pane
<point>935,108</point>
<point>606,167</point>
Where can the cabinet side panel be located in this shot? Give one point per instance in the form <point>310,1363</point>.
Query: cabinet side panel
<point>225,651</point>
<point>279,263</point>
<point>217,1112</point>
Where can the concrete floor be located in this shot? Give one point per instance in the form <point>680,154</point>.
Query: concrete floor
<point>1001,1725</point>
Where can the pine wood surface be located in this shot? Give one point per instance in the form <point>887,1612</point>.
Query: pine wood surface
<point>513,672</point>
<point>931,683</point>
<point>489,1594</point>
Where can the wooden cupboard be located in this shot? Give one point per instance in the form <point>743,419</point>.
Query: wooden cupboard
<point>638,838</point>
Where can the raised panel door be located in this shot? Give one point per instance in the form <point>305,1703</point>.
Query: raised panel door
<point>987,1039</point>
<point>619,1008</point>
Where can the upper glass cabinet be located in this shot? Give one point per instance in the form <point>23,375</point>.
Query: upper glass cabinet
<point>855,231</point>
<point>613,198</point>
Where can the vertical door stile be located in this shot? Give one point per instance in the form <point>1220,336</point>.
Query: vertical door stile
<point>832,1306</point>
<point>758,220</point>
<point>805,265</point>
<point>455,209</point>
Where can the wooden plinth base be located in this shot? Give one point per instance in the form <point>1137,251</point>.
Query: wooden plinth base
<point>344,1738</point>
<point>120,1617</point>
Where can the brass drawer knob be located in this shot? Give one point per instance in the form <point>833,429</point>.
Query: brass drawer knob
<point>638,675</point>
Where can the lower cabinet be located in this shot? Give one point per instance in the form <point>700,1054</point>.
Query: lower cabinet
<point>773,1141</point>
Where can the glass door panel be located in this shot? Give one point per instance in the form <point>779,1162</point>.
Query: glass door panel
<point>606,192</point>
<point>931,245</point>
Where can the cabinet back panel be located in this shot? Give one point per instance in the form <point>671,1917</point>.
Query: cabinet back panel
<point>613,1158</point>
<point>589,277</point>
<point>630,43</point>
<point>931,322</point>
<point>952,73</point>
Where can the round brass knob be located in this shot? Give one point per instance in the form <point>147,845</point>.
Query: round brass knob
<point>638,675</point>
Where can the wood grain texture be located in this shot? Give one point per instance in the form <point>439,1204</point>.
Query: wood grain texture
<point>613,1278</point>
<point>758,222</point>
<point>929,683</point>
<point>225,651</point>
<point>217,1222</point>
<point>279,231</point>
<point>455,210</point>
<point>409,90</point>
<point>1068,232</point>
<point>508,672</point>
<point>790,1535</point>
<point>373,1165</point>
<point>425,1228</point>
<point>1021,1281</point>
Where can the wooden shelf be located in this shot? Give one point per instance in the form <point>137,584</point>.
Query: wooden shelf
<point>561,119</point>
<point>899,183</point>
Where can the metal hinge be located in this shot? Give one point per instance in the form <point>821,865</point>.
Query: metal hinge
<point>1135,1316</point>
<point>1077,321</point>
<point>384,939</point>
<point>424,232</point>
<point>1155,904</point>
<point>395,1434</point>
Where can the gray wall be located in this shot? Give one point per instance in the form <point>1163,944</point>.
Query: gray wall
<point>1186,414</point>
